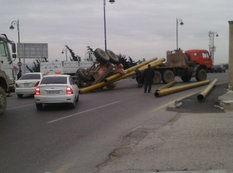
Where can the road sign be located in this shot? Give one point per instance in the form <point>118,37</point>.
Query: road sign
<point>19,64</point>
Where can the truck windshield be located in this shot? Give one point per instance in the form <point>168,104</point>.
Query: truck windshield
<point>54,80</point>
<point>205,55</point>
<point>2,49</point>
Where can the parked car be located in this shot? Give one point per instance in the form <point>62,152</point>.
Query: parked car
<point>218,69</point>
<point>27,83</point>
<point>56,89</point>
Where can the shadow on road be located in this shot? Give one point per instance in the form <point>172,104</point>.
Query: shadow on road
<point>209,105</point>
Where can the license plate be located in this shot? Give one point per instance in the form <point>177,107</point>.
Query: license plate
<point>27,84</point>
<point>53,92</point>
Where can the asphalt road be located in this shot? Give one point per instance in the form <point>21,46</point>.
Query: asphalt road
<point>60,139</point>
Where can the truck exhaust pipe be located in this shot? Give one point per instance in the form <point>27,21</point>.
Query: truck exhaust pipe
<point>206,91</point>
<point>175,89</point>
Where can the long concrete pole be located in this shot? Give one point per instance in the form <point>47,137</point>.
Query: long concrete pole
<point>175,89</point>
<point>205,92</point>
<point>230,80</point>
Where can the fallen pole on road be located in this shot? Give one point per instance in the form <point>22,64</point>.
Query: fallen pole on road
<point>115,76</point>
<point>205,92</point>
<point>167,85</point>
<point>175,89</point>
<point>131,73</point>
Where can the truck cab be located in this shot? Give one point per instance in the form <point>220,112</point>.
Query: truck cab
<point>200,56</point>
<point>7,78</point>
<point>7,53</point>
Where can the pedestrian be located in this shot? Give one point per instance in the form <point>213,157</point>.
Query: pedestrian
<point>139,78</point>
<point>19,74</point>
<point>148,76</point>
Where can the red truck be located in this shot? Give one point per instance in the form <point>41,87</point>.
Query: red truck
<point>188,64</point>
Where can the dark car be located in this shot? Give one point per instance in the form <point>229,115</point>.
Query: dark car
<point>218,69</point>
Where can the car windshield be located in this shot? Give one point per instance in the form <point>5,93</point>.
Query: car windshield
<point>30,76</point>
<point>54,80</point>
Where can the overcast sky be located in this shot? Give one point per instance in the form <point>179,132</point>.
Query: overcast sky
<point>136,28</point>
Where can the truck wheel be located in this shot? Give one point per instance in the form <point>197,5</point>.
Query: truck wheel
<point>157,77</point>
<point>2,101</point>
<point>186,78</point>
<point>201,74</point>
<point>101,56</point>
<point>113,57</point>
<point>168,76</point>
<point>81,72</point>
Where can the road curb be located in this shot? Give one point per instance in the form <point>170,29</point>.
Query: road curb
<point>201,171</point>
<point>226,101</point>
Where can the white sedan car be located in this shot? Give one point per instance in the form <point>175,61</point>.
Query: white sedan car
<point>27,83</point>
<point>56,89</point>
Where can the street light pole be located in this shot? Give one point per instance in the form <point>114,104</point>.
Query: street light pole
<point>16,22</point>
<point>105,32</point>
<point>105,35</point>
<point>178,22</point>
<point>230,73</point>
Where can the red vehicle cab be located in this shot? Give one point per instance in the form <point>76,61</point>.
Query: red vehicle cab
<point>200,56</point>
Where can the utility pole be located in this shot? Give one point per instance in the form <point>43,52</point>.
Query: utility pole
<point>230,72</point>
<point>178,22</point>
<point>212,48</point>
<point>105,32</point>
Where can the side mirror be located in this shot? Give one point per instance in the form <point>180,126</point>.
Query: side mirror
<point>13,48</point>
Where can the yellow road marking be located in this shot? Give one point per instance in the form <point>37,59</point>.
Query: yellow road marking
<point>64,167</point>
<point>173,101</point>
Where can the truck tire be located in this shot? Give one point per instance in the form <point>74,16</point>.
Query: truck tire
<point>157,77</point>
<point>101,56</point>
<point>168,76</point>
<point>2,101</point>
<point>81,73</point>
<point>201,74</point>
<point>113,57</point>
<point>186,78</point>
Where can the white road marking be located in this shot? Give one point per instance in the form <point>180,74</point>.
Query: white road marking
<point>89,110</point>
<point>17,107</point>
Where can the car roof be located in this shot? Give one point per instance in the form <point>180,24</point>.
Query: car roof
<point>56,75</point>
<point>33,73</point>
